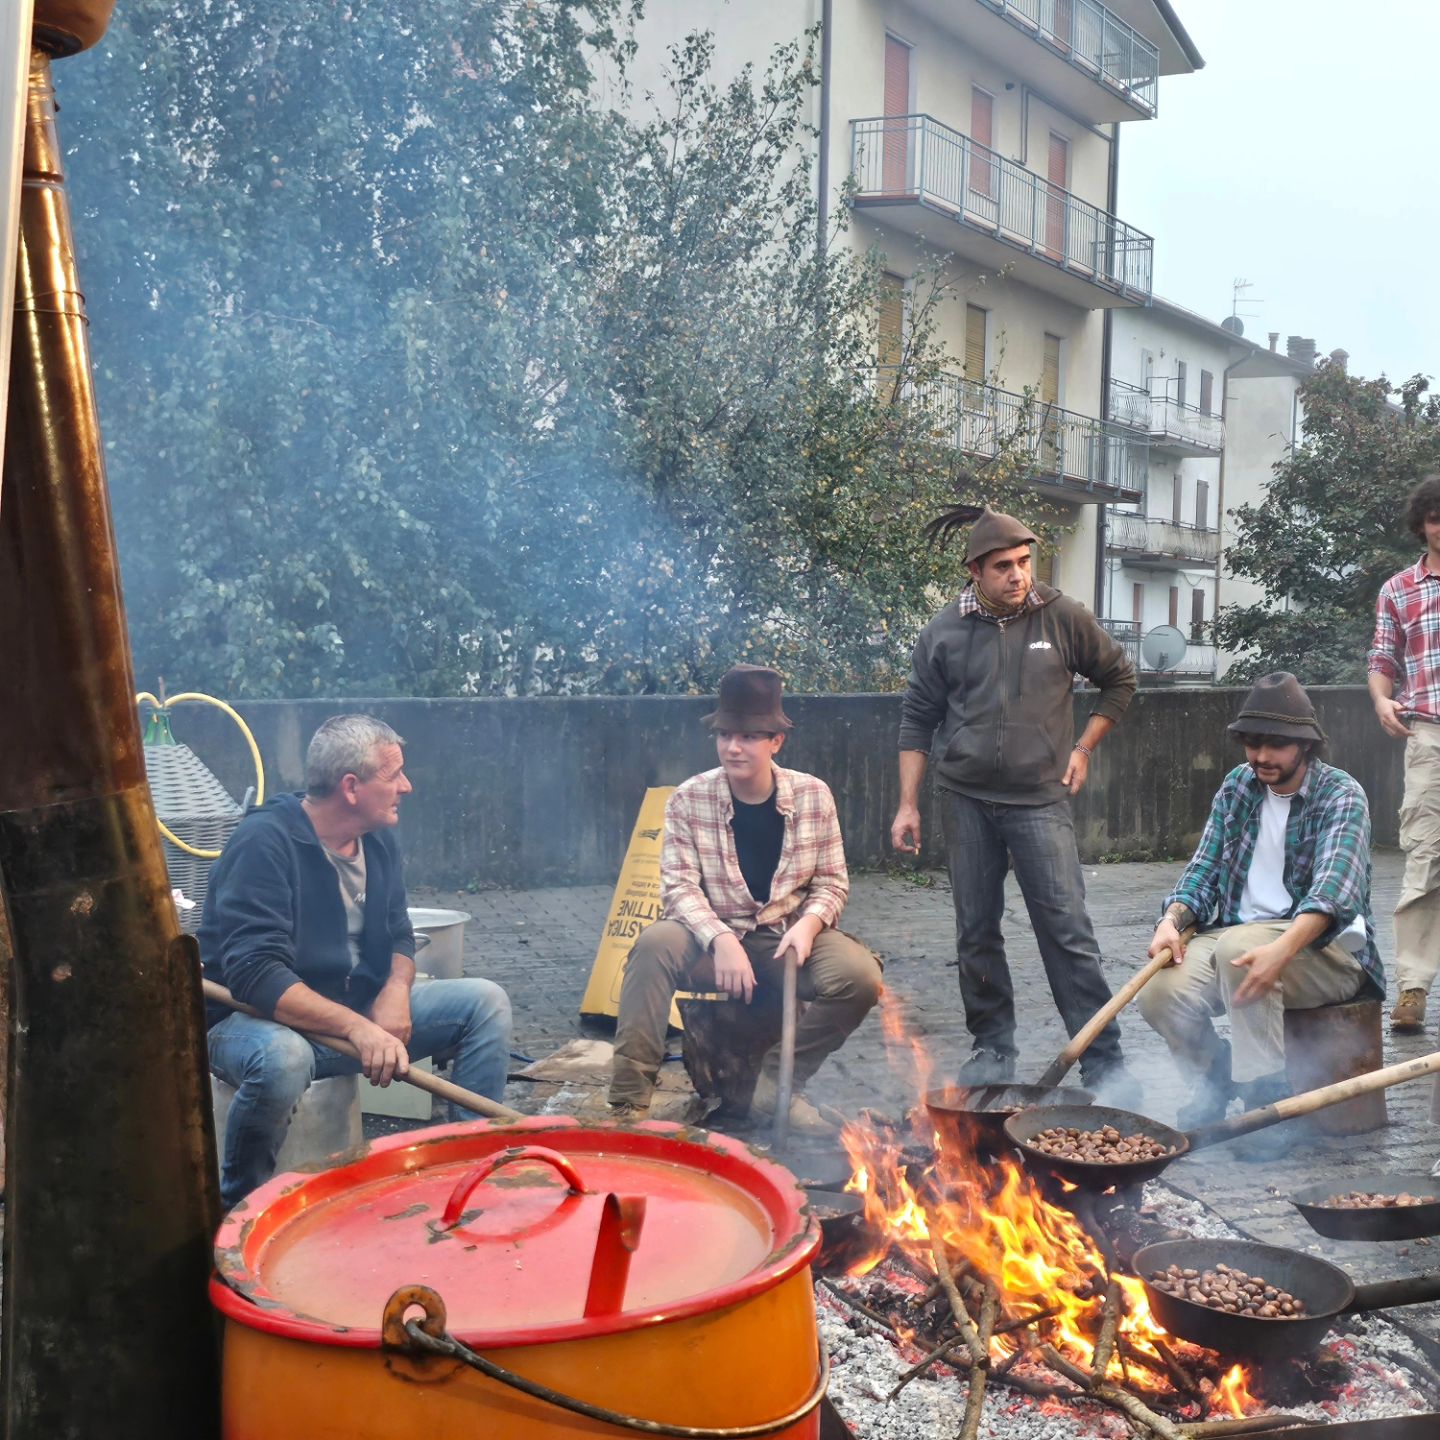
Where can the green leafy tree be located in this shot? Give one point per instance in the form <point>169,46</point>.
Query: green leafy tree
<point>1330,530</point>
<point>423,373</point>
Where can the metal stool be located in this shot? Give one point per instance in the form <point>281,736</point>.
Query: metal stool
<point>1331,1043</point>
<point>326,1122</point>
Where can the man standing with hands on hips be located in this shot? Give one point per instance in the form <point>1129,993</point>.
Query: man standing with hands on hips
<point>1404,665</point>
<point>991,693</point>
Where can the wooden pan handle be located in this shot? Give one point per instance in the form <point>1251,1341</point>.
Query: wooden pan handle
<point>1309,1101</point>
<point>420,1079</point>
<point>1085,1036</point>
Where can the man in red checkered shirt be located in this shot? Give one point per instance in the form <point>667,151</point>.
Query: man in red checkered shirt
<point>752,871</point>
<point>1405,686</point>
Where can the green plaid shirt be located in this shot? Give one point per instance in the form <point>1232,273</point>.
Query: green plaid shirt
<point>1327,856</point>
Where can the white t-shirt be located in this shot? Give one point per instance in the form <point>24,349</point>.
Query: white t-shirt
<point>1265,896</point>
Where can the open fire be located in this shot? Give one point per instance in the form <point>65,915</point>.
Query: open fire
<point>1038,1308</point>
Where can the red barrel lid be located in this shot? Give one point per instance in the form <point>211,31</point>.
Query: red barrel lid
<point>538,1230</point>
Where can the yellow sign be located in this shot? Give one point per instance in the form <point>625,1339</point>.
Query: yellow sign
<point>635,904</point>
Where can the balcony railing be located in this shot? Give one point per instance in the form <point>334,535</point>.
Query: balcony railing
<point>1198,662</point>
<point>1092,39</point>
<point>1167,421</point>
<point>1069,450</point>
<point>1147,535</point>
<point>915,158</point>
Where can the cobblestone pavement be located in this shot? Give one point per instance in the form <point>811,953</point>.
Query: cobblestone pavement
<point>540,944</point>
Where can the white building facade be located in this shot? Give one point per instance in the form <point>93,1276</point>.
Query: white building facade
<point>1168,381</point>
<point>985,132</point>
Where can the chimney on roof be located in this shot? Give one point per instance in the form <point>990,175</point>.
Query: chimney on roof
<point>1300,349</point>
<point>1274,338</point>
<point>1340,358</point>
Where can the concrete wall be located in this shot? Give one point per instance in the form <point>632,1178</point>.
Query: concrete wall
<point>544,792</point>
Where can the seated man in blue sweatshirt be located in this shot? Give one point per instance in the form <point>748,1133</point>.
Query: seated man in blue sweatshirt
<point>305,920</point>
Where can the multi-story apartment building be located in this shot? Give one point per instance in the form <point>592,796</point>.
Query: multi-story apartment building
<point>1219,412</point>
<point>1168,376</point>
<point>985,132</point>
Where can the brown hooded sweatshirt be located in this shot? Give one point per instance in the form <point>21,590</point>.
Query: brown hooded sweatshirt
<point>991,703</point>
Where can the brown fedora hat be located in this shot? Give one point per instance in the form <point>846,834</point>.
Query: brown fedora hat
<point>1278,705</point>
<point>750,700</point>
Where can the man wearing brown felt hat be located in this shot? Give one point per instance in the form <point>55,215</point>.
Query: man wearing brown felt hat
<point>1279,887</point>
<point>752,871</point>
<point>990,694</point>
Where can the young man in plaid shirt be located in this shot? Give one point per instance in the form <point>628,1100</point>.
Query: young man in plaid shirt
<point>752,870</point>
<point>1405,686</point>
<point>1280,890</point>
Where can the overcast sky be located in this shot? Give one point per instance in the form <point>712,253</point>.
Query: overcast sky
<point>1301,158</point>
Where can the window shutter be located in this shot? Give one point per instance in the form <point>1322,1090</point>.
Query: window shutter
<point>890,326</point>
<point>1202,504</point>
<point>895,156</point>
<point>975,326</point>
<point>1197,615</point>
<point>982,132</point>
<point>1207,391</point>
<point>1050,373</point>
<point>1175,605</point>
<point>1179,382</point>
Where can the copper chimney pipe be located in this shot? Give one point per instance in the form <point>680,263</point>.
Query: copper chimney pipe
<point>111,1193</point>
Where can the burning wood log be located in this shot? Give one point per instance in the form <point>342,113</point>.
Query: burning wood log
<point>1109,1320</point>
<point>980,1366</point>
<point>1129,1405</point>
<point>1248,1425</point>
<point>948,1348</point>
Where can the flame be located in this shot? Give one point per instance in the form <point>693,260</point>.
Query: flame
<point>994,1217</point>
<point>1233,1395</point>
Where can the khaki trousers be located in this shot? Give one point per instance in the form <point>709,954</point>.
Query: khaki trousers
<point>1180,1001</point>
<point>840,983</point>
<point>1417,915</point>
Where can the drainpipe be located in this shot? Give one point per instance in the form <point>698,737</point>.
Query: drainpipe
<point>822,208</point>
<point>111,1195</point>
<point>1102,524</point>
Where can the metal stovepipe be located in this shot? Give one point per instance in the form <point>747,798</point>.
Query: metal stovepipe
<point>110,1194</point>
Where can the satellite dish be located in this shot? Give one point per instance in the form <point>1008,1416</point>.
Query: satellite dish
<point>1235,325</point>
<point>1163,648</point>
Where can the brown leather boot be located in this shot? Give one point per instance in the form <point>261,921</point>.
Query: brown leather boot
<point>1408,1016</point>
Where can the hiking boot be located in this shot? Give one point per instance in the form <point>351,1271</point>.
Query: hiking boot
<point>1277,1140</point>
<point>1212,1094</point>
<point>1114,1085</point>
<point>987,1067</point>
<point>1408,1016</point>
<point>623,1111</point>
<point>805,1119</point>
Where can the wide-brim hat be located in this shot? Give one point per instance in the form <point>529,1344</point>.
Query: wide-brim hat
<point>1278,705</point>
<point>750,700</point>
<point>994,530</point>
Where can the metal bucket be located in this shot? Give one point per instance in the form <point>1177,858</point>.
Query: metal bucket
<point>441,955</point>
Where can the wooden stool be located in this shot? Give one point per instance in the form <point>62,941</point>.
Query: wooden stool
<point>326,1122</point>
<point>1336,1042</point>
<point>723,1043</point>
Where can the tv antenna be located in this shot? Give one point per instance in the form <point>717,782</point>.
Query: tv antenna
<point>1238,286</point>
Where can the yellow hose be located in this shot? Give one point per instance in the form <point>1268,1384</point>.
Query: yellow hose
<point>145,696</point>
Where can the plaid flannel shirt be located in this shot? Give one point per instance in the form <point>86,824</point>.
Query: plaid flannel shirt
<point>1407,639</point>
<point>1327,856</point>
<point>968,603</point>
<point>700,881</point>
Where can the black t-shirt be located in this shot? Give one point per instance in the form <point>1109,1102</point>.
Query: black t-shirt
<point>759,833</point>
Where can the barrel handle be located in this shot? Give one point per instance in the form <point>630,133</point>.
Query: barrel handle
<point>422,1340</point>
<point>455,1205</point>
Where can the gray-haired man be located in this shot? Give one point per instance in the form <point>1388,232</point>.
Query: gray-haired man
<point>305,920</point>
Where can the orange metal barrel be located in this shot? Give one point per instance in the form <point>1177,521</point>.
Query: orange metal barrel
<point>653,1270</point>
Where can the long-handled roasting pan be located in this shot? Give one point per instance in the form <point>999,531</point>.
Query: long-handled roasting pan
<point>1022,1128</point>
<point>1379,1222</point>
<point>1326,1290</point>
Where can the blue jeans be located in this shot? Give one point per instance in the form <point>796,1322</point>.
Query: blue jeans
<point>982,841</point>
<point>270,1066</point>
